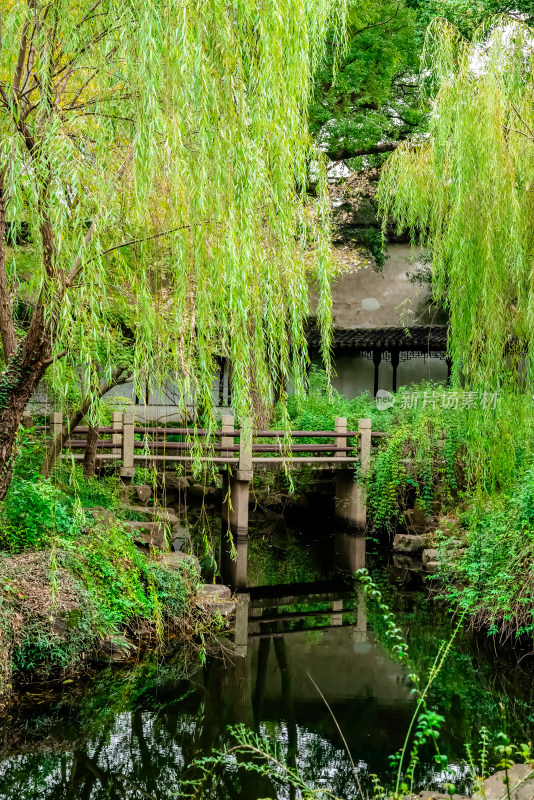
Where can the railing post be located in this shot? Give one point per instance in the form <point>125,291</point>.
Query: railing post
<point>227,438</point>
<point>128,468</point>
<point>116,436</point>
<point>351,496</point>
<point>237,487</point>
<point>364,445</point>
<point>340,426</point>
<point>244,471</point>
<point>57,424</point>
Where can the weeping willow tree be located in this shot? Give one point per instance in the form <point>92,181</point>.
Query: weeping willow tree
<point>466,192</point>
<point>156,156</point>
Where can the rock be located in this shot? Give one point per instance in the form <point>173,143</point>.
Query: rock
<point>143,493</point>
<point>176,560</point>
<point>177,544</point>
<point>162,514</point>
<point>408,543</point>
<point>115,651</point>
<point>406,561</point>
<point>148,534</point>
<point>449,525</point>
<point>414,516</point>
<point>431,567</point>
<point>201,492</point>
<point>216,599</point>
<point>214,591</point>
<point>440,796</point>
<point>430,554</point>
<point>103,515</point>
<point>180,535</point>
<point>177,482</point>
<point>521,784</point>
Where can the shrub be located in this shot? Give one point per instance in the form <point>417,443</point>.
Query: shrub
<point>33,512</point>
<point>493,580</point>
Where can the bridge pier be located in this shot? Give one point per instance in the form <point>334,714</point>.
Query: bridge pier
<point>236,494</point>
<point>236,485</point>
<point>351,495</point>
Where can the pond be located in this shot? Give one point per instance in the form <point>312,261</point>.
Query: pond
<point>308,660</point>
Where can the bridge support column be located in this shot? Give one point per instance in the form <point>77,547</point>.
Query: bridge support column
<point>128,446</point>
<point>235,504</point>
<point>234,559</point>
<point>236,487</point>
<point>351,496</point>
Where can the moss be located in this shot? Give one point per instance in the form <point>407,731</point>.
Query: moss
<point>59,606</point>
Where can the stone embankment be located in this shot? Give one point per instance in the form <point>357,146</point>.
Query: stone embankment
<point>426,540</point>
<point>517,783</point>
<point>163,534</point>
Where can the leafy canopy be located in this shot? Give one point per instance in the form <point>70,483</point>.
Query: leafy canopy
<point>372,95</point>
<point>157,154</point>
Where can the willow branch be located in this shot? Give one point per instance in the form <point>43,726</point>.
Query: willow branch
<point>71,277</point>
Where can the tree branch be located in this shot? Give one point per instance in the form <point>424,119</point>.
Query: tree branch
<point>118,377</point>
<point>153,236</point>
<point>21,57</point>
<point>71,277</point>
<point>7,325</point>
<point>378,24</point>
<point>343,153</point>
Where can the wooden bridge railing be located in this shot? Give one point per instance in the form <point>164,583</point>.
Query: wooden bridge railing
<point>135,445</point>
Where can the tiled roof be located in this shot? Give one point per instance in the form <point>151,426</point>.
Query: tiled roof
<point>418,337</point>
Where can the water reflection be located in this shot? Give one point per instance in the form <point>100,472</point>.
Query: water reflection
<point>136,733</point>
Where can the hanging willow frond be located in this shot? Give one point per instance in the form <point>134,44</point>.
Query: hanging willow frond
<point>159,154</point>
<point>466,193</point>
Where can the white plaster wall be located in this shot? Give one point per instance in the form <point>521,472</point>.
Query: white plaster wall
<point>355,375</point>
<point>368,299</point>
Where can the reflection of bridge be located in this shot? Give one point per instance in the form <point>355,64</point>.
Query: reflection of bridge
<point>268,612</point>
<point>238,452</point>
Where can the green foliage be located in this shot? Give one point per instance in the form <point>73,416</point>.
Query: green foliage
<point>493,581</point>
<point>122,584</point>
<point>373,241</point>
<point>469,15</point>
<point>422,454</point>
<point>180,253</point>
<point>465,193</point>
<point>322,404</point>
<point>33,512</point>
<point>103,490</point>
<point>372,96</point>
<point>437,449</point>
<point>104,589</point>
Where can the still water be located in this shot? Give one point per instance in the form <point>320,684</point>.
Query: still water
<point>302,630</point>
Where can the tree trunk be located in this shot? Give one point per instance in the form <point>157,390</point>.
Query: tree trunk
<point>18,382</point>
<point>89,459</point>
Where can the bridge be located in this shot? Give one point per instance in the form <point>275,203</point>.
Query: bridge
<point>238,452</point>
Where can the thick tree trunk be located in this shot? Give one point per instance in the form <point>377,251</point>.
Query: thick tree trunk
<point>89,459</point>
<point>18,382</point>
